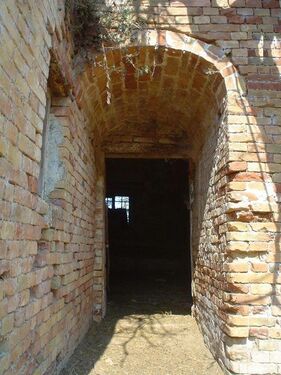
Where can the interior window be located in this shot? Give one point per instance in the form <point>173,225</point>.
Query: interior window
<point>119,202</point>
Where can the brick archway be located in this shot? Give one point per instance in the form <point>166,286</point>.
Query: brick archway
<point>103,91</point>
<point>234,82</point>
<point>194,86</point>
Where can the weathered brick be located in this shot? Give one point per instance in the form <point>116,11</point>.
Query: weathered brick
<point>236,171</point>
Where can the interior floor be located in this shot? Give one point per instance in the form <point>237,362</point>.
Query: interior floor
<point>148,232</point>
<point>145,333</point>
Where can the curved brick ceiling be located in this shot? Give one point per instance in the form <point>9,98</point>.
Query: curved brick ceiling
<point>179,97</point>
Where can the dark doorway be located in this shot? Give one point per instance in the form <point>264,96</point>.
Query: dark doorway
<point>148,231</point>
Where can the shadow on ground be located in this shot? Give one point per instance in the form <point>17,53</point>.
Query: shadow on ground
<point>148,330</point>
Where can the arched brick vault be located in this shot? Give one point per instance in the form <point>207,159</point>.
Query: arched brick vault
<point>176,111</point>
<point>175,103</point>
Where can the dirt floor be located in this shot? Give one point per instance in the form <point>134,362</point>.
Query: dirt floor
<point>144,334</point>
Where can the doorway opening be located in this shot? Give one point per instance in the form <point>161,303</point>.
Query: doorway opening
<point>148,232</point>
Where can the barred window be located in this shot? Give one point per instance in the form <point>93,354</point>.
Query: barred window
<point>119,202</point>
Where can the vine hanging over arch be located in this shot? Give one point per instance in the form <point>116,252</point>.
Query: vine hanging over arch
<point>97,23</point>
<point>102,25</point>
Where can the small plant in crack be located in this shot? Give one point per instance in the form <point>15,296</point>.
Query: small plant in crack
<point>99,26</point>
<point>111,23</point>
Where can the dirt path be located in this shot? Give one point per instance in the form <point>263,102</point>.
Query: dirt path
<point>140,336</point>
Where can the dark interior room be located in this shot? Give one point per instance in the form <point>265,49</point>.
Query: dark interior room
<point>148,233</point>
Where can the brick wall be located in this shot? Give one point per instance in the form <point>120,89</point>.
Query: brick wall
<point>47,246</point>
<point>52,250</point>
<point>209,252</point>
